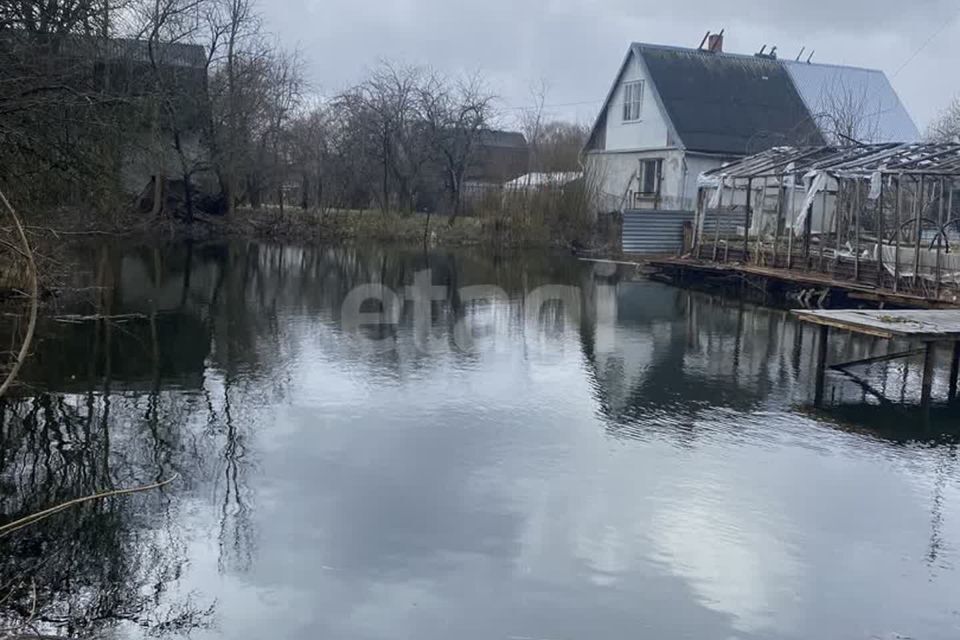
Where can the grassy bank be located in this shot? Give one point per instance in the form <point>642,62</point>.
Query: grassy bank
<point>297,225</point>
<point>536,220</point>
<point>508,228</point>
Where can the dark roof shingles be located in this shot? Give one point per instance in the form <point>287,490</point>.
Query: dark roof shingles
<point>724,103</point>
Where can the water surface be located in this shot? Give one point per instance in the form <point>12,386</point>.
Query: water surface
<point>645,465</point>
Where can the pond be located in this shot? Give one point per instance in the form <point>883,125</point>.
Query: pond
<point>473,446</point>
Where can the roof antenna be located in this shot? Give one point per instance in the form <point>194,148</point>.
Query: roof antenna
<point>811,56</point>
<point>704,41</point>
<point>800,55</point>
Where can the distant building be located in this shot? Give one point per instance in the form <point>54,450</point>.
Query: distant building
<point>673,113</point>
<point>108,78</point>
<point>500,156</point>
<point>182,68</point>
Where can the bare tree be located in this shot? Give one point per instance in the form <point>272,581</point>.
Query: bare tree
<point>946,126</point>
<point>57,16</point>
<point>386,109</point>
<point>846,114</point>
<point>238,55</point>
<point>558,146</point>
<point>177,107</point>
<point>455,115</point>
<point>531,121</point>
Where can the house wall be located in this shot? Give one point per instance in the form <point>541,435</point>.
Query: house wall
<point>695,166</point>
<point>614,160</point>
<point>651,130</point>
<point>615,173</point>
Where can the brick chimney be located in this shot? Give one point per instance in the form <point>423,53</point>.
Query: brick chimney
<point>715,42</point>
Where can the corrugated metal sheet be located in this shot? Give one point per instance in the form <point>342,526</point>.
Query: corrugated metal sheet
<point>654,231</point>
<point>730,221</point>
<point>822,85</point>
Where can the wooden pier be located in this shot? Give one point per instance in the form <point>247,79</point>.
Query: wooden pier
<point>927,328</point>
<point>776,281</point>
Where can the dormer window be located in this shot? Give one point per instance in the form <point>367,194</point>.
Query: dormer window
<point>632,100</point>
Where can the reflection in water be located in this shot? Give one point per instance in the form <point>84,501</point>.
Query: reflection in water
<point>646,464</point>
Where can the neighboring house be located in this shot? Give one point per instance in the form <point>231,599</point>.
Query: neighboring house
<point>183,73</point>
<point>499,156</point>
<point>116,80</point>
<point>673,113</point>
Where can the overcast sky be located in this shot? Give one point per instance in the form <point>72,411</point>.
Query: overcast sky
<point>575,46</point>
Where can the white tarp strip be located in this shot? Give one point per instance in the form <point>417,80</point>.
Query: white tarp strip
<point>817,184</point>
<point>715,198</point>
<point>703,180</point>
<point>876,181</point>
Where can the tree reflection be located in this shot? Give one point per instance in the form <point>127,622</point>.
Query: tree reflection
<point>97,566</point>
<point>182,353</point>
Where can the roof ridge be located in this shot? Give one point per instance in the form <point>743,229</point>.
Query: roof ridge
<point>730,54</point>
<point>834,65</point>
<point>703,52</point>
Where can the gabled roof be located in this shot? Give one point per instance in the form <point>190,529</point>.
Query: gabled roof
<point>723,103</point>
<point>883,119</point>
<point>498,138</point>
<point>726,103</point>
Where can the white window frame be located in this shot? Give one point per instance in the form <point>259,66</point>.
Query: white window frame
<point>633,100</point>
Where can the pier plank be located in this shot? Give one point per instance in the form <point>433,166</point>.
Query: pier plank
<point>926,325</point>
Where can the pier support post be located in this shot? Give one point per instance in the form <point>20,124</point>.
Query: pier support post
<point>926,388</point>
<point>954,370</point>
<point>823,337</point>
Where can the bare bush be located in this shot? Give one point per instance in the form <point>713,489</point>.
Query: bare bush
<point>946,126</point>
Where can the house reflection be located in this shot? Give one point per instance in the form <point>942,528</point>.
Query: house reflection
<point>680,355</point>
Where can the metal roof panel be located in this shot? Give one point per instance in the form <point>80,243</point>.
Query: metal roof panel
<point>826,88</point>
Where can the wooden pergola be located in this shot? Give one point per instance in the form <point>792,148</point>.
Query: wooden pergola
<point>929,328</point>
<point>886,214</point>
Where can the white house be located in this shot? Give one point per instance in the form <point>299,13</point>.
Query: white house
<point>673,113</point>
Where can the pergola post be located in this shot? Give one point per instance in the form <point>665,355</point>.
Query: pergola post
<point>793,220</point>
<point>939,239</point>
<point>716,220</point>
<point>918,229</point>
<point>698,223</point>
<point>857,203</point>
<point>896,238</point>
<point>776,227</point>
<point>880,233</point>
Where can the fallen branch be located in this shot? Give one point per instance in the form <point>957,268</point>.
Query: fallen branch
<point>34,298</point>
<point>116,318</point>
<point>16,525</point>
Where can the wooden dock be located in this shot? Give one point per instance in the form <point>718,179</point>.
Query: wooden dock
<point>929,328</point>
<point>688,270</point>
